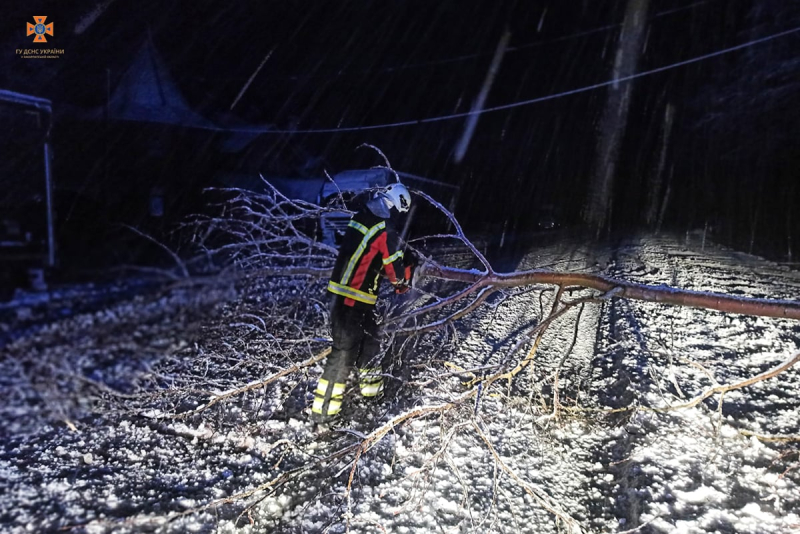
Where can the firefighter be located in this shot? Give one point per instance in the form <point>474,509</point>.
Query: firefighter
<point>370,246</point>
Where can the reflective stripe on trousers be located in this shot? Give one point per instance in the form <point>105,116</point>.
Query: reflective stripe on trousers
<point>370,381</point>
<point>355,345</point>
<point>330,394</point>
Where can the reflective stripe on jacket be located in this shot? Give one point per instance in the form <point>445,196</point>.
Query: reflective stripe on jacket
<point>370,244</point>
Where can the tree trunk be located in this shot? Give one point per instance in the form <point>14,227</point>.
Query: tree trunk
<point>654,193</point>
<point>480,101</point>
<point>665,201</point>
<point>598,205</point>
<point>789,227</point>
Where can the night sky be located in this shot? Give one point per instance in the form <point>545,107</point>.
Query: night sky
<point>731,160</point>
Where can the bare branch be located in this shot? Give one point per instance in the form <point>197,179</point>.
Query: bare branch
<point>771,373</point>
<point>774,439</point>
<point>784,309</point>
<point>178,261</point>
<point>221,397</point>
<point>538,494</point>
<point>459,231</point>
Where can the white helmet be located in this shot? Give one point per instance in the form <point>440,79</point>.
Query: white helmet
<point>398,196</point>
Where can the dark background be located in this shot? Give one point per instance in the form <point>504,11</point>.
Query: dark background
<point>732,159</point>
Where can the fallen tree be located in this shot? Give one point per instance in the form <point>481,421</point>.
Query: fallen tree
<point>262,237</point>
<point>264,354</point>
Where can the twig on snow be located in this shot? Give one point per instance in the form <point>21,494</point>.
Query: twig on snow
<point>538,494</point>
<point>769,438</point>
<point>771,373</point>
<point>248,387</point>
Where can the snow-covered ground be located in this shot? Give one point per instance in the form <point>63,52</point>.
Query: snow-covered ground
<point>93,440</point>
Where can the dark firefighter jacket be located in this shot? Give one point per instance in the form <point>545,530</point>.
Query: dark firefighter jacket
<point>370,244</point>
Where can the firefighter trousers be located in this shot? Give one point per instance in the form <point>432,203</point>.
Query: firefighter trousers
<point>355,342</point>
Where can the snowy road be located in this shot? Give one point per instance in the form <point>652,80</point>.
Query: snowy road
<point>691,470</point>
<point>73,459</point>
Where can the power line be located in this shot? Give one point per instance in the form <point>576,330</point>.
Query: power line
<point>458,59</point>
<point>607,27</point>
<point>466,57</point>
<point>538,99</point>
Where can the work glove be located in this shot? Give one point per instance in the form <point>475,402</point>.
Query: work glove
<point>411,260</point>
<point>401,288</point>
